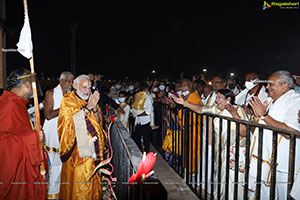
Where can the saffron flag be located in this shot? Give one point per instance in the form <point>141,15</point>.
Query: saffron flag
<point>25,44</point>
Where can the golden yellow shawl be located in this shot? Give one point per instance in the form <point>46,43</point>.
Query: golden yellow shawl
<point>76,170</point>
<point>139,101</point>
<point>70,105</point>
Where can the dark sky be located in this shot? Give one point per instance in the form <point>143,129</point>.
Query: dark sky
<point>130,38</point>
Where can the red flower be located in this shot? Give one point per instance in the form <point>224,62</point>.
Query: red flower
<point>112,118</point>
<point>144,168</point>
<point>106,109</point>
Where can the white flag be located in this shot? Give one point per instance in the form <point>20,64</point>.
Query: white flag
<point>25,44</point>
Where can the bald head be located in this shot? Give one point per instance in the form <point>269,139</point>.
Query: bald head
<point>251,76</point>
<point>186,85</point>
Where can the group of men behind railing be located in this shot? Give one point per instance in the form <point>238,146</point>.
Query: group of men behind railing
<point>241,151</point>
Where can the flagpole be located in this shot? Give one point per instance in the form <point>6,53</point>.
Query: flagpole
<point>36,104</point>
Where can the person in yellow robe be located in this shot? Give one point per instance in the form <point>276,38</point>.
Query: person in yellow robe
<point>81,142</point>
<point>193,98</point>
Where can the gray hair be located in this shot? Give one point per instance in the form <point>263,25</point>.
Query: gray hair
<point>17,78</point>
<point>285,77</point>
<point>79,78</point>
<point>66,74</point>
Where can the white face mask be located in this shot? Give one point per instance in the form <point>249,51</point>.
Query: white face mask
<point>170,94</point>
<point>118,86</point>
<point>250,84</point>
<point>121,99</point>
<point>131,87</point>
<point>161,87</point>
<point>155,89</point>
<point>153,95</point>
<point>179,93</point>
<point>185,93</point>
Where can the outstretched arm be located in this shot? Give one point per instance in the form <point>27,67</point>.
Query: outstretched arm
<point>194,107</point>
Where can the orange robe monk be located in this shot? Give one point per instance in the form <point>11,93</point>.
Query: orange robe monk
<point>76,170</point>
<point>20,156</point>
<point>193,98</point>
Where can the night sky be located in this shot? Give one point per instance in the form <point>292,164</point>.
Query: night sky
<point>131,38</point>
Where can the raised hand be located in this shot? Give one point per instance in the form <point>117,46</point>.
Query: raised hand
<point>233,110</point>
<point>178,99</point>
<point>93,100</point>
<point>258,108</point>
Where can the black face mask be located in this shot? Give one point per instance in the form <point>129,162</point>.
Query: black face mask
<point>231,86</point>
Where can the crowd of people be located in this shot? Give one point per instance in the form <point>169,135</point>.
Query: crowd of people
<point>75,133</point>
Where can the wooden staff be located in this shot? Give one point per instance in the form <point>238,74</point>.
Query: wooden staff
<point>36,105</point>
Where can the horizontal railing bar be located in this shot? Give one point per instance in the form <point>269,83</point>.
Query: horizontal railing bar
<point>296,133</point>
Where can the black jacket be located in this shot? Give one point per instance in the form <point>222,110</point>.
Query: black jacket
<point>104,99</point>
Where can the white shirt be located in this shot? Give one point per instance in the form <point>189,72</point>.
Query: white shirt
<point>210,99</point>
<point>243,97</point>
<point>285,110</point>
<point>148,108</point>
<point>124,117</point>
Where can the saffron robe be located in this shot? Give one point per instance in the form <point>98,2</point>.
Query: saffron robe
<point>76,170</point>
<point>193,98</point>
<point>20,155</point>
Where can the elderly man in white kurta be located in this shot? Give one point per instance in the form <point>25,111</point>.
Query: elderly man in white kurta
<point>281,111</point>
<point>51,109</point>
<point>253,88</point>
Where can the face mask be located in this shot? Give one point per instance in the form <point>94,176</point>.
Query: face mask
<point>170,94</point>
<point>231,86</point>
<point>167,89</point>
<point>185,93</point>
<point>131,87</point>
<point>118,86</point>
<point>179,93</point>
<point>153,95</point>
<point>250,84</point>
<point>121,99</point>
<point>155,89</point>
<point>161,87</point>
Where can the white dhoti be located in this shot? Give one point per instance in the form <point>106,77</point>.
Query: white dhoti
<point>52,147</point>
<point>285,110</point>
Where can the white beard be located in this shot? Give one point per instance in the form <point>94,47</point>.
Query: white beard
<point>82,95</point>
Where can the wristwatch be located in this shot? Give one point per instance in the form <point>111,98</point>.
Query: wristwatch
<point>264,116</point>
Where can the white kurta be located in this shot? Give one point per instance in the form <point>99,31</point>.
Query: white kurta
<point>52,141</point>
<point>125,116</point>
<point>295,189</point>
<point>243,97</point>
<point>209,101</point>
<point>284,109</point>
